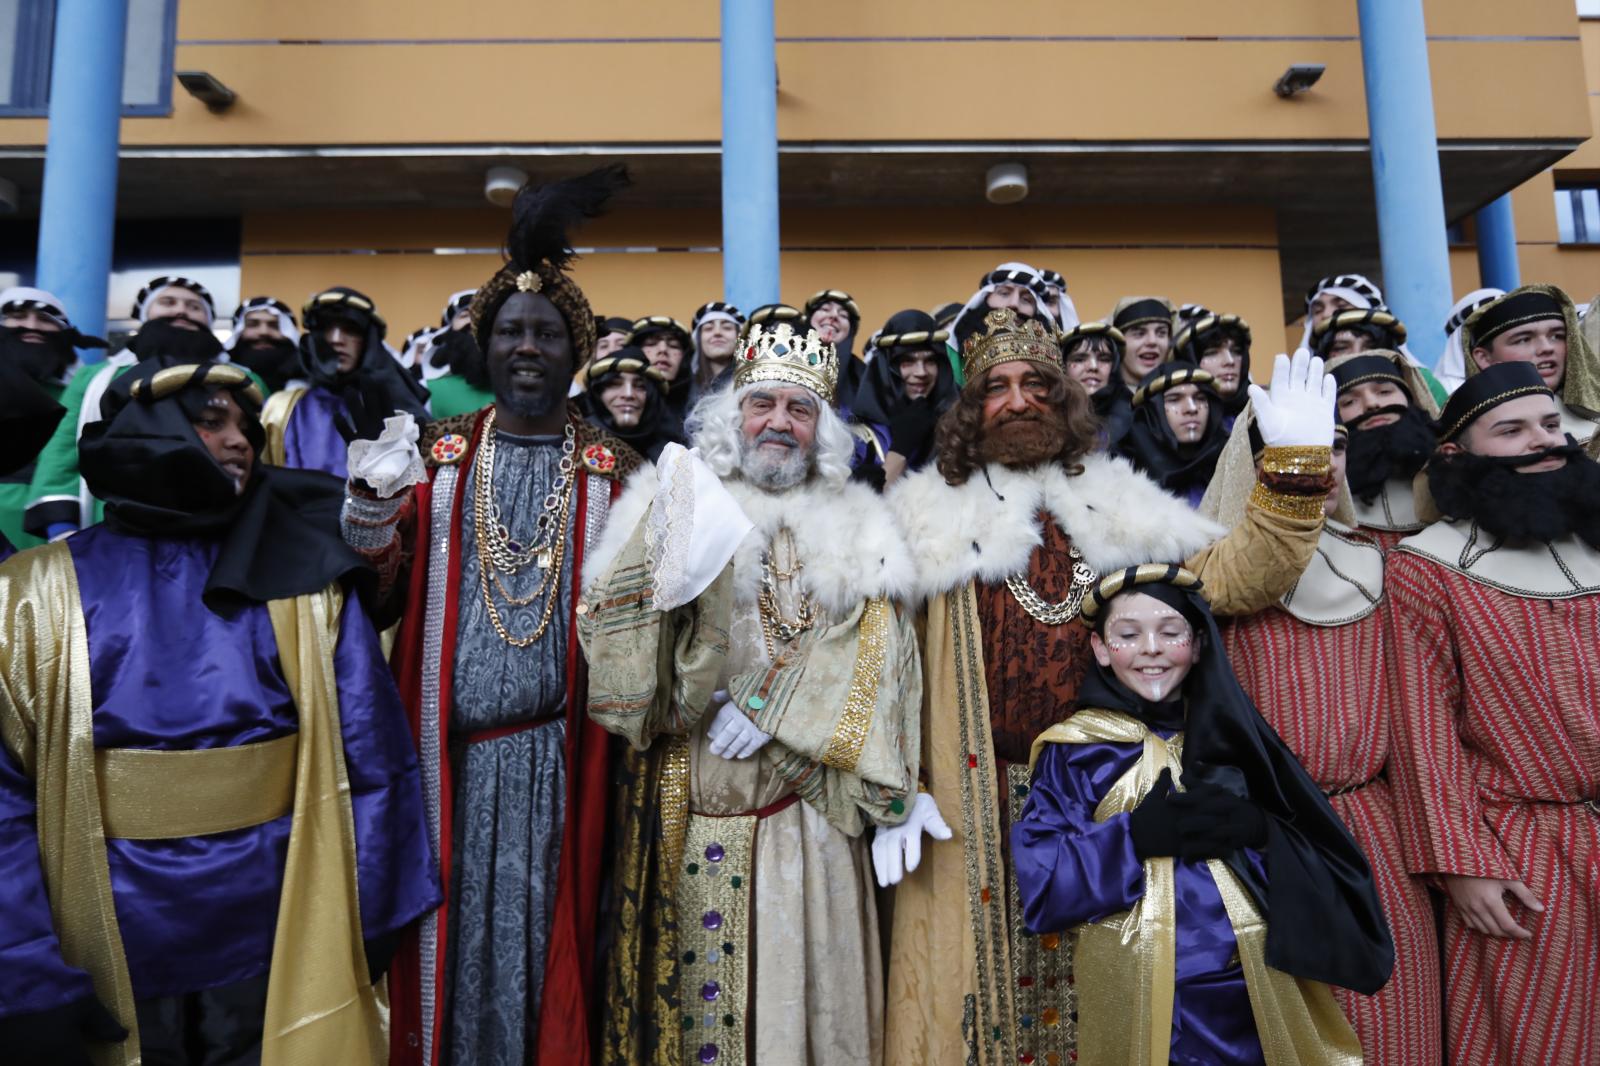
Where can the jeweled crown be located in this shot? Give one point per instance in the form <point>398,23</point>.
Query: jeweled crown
<point>779,353</point>
<point>1007,338</point>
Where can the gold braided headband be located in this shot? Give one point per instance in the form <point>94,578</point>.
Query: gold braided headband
<point>164,383</point>
<point>1109,586</point>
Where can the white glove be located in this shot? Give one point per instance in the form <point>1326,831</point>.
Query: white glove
<point>1299,410</point>
<point>897,849</point>
<point>733,735</point>
<point>391,464</point>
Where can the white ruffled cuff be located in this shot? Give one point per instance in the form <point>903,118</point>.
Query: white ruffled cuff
<point>693,528</point>
<point>391,464</point>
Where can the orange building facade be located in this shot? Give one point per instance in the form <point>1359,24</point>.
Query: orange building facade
<point>1159,159</point>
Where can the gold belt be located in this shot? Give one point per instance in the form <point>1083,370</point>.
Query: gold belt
<point>162,795</point>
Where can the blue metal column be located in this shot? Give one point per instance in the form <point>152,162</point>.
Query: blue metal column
<point>749,154</point>
<point>1497,245</point>
<point>79,208</point>
<point>1405,170</point>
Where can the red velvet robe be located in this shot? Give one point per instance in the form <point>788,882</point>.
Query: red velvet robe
<point>1496,767</point>
<point>423,662</point>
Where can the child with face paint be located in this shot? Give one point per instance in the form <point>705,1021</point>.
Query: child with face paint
<point>1209,893</point>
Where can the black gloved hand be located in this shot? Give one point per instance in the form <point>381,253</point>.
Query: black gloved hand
<point>57,1037</point>
<point>912,425</point>
<point>368,405</point>
<point>1212,821</point>
<point>380,953</point>
<point>1152,825</point>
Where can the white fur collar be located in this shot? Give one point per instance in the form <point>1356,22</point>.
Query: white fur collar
<point>847,539</point>
<point>987,528</point>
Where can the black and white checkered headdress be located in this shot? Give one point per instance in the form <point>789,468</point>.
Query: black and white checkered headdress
<point>141,302</point>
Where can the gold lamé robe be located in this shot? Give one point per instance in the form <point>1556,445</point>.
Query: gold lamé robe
<point>751,878</point>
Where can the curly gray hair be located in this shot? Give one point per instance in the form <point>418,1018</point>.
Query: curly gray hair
<point>716,428</point>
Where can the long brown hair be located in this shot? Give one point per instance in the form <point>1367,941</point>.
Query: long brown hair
<point>958,440</point>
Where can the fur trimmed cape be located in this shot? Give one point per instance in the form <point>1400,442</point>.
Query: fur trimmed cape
<point>987,529</point>
<point>847,538</point>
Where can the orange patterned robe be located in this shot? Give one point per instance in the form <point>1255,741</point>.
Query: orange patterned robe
<point>1496,770</point>
<point>1321,688</point>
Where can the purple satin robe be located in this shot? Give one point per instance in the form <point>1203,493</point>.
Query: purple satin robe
<point>311,440</point>
<point>169,674</point>
<point>1072,869</point>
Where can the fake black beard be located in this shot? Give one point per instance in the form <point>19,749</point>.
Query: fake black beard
<point>43,361</point>
<point>276,363</point>
<point>457,350</point>
<point>159,336</point>
<point>1491,491</point>
<point>1397,450</point>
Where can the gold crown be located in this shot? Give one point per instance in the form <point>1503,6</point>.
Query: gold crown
<point>778,353</point>
<point>1006,339</point>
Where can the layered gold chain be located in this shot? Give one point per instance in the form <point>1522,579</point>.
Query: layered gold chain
<point>499,552</point>
<point>774,625</point>
<point>1042,610</point>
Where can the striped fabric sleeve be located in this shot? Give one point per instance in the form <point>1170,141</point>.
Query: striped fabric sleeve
<point>1441,819</point>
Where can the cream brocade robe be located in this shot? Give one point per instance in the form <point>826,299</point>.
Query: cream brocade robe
<point>772,859</point>
<point>967,982</point>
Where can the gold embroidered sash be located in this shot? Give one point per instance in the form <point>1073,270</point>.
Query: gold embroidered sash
<point>222,789</point>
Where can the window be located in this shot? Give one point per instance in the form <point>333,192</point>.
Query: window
<point>1578,214</point>
<point>27,33</point>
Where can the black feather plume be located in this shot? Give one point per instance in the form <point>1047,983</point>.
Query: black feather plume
<point>543,216</point>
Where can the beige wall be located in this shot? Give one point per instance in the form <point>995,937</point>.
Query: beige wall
<point>377,71</point>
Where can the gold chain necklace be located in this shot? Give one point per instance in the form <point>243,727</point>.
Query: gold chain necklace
<point>774,626</point>
<point>497,551</point>
<point>1054,614</point>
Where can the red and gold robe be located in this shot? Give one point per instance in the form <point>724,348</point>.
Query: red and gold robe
<point>423,661</point>
<point>1496,772</point>
<point>1319,684</point>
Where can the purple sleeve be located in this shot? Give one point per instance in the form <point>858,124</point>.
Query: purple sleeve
<point>395,866</point>
<point>33,976</point>
<point>1070,868</point>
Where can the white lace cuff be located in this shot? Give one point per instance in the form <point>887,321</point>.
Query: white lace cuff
<point>391,464</point>
<point>693,528</point>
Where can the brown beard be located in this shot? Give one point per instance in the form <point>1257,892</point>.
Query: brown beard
<point>1024,440</point>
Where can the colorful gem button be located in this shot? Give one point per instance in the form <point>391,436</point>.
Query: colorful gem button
<point>599,458</point>
<point>712,920</point>
<point>714,852</point>
<point>755,703</point>
<point>449,449</point>
<point>710,991</point>
<point>708,1053</point>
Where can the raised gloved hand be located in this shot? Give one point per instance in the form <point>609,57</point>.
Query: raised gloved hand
<point>387,462</point>
<point>1299,410</point>
<point>1212,822</point>
<point>897,849</point>
<point>733,735</point>
<point>912,425</point>
<point>1153,824</point>
<point>59,1036</point>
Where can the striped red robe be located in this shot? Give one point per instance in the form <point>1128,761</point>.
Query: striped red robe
<point>1321,687</point>
<point>1496,753</point>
